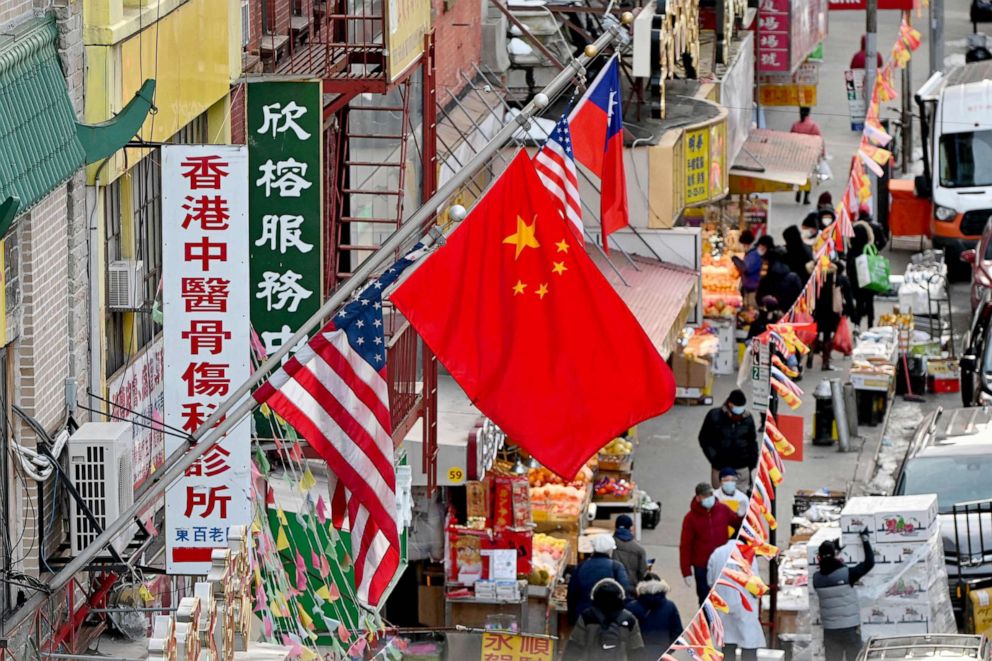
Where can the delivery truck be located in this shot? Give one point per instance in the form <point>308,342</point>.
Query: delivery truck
<point>956,119</point>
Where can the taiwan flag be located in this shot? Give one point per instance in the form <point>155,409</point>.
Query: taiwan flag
<point>597,142</point>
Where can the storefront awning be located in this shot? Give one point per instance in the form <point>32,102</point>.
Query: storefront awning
<point>772,161</point>
<point>660,295</point>
<point>41,143</point>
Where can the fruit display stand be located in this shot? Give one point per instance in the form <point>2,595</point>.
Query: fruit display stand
<point>614,491</point>
<point>721,287</point>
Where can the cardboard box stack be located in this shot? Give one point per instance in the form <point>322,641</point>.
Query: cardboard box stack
<point>907,591</point>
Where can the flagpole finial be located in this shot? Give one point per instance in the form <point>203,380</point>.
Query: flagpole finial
<point>591,51</point>
<point>541,100</point>
<point>627,18</point>
<point>457,213</point>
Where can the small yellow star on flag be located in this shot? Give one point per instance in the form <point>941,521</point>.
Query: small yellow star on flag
<point>562,246</point>
<point>519,288</point>
<point>559,268</point>
<point>542,291</point>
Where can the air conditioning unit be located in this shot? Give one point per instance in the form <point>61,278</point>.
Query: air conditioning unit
<point>100,470</point>
<point>495,59</point>
<point>126,285</point>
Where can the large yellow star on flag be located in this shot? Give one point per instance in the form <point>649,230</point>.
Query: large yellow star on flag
<point>524,236</point>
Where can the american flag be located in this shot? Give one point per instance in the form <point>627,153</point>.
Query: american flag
<point>333,392</point>
<point>555,165</point>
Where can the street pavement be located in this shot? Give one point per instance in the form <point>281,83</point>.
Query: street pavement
<point>668,461</point>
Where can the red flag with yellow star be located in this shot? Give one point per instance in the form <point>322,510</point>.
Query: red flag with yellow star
<point>531,330</point>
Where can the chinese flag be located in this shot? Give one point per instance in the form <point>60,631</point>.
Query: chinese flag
<point>597,142</point>
<point>526,324</point>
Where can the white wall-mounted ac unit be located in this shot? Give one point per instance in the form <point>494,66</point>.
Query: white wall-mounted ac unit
<point>100,470</point>
<point>126,285</point>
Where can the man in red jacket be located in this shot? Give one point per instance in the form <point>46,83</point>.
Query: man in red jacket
<point>705,528</point>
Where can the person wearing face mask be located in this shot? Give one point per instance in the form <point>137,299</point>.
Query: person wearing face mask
<point>705,528</point>
<point>729,494</point>
<point>797,253</point>
<point>728,438</point>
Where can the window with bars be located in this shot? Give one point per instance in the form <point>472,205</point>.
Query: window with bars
<point>146,210</point>
<point>116,353</point>
<point>245,24</point>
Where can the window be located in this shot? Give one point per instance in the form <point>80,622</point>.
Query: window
<point>146,193</point>
<point>245,24</point>
<point>146,212</point>
<point>966,159</point>
<point>112,242</point>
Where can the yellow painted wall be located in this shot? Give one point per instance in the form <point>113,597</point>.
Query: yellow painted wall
<point>192,64</point>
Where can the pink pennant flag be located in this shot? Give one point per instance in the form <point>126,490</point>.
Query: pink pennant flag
<point>358,648</point>
<point>314,559</point>
<point>267,624</point>
<point>321,510</point>
<point>295,650</point>
<point>260,600</point>
<point>343,634</point>
<point>325,568</point>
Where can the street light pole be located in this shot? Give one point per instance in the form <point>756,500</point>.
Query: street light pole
<point>936,36</point>
<point>871,48</point>
<point>907,107</point>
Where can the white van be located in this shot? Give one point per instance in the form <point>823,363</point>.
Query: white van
<point>956,116</point>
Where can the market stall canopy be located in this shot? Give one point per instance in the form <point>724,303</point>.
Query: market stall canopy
<point>772,161</point>
<point>660,295</point>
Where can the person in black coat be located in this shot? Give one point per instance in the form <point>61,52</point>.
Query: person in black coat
<point>728,438</point>
<point>797,253</point>
<point>864,299</point>
<point>658,617</point>
<point>779,280</point>
<point>832,302</point>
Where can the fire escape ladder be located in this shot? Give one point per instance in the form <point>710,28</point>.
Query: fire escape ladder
<point>374,190</point>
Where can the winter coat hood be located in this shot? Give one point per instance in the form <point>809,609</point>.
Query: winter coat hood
<point>623,534</point>
<point>608,595</point>
<point>652,588</point>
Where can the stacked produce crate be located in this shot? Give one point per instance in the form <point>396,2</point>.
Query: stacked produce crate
<point>907,591</point>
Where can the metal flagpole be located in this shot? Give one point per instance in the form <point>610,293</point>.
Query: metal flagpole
<point>240,403</point>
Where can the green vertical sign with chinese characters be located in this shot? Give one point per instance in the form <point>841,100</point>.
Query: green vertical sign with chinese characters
<point>285,204</point>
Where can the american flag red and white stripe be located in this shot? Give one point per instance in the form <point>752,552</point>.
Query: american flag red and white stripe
<point>334,393</point>
<point>555,165</point>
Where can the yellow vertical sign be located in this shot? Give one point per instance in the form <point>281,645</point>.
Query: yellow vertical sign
<point>407,23</point>
<point>498,646</point>
<point>696,146</point>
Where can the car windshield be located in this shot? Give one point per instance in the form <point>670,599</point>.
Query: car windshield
<point>953,479</point>
<point>966,159</point>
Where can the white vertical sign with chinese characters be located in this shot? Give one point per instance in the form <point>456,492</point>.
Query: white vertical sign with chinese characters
<point>207,342</point>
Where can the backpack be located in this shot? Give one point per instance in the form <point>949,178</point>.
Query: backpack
<point>611,640</point>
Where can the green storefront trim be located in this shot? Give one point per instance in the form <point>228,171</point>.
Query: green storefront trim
<point>41,143</point>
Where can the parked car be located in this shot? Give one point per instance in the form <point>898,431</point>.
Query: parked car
<point>976,355</point>
<point>980,258</point>
<point>946,647</point>
<point>951,455</point>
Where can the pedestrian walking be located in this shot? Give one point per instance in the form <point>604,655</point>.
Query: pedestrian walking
<point>805,126</point>
<point>833,302</point>
<point>605,631</point>
<point>728,438</point>
<point>704,529</point>
<point>729,494</point>
<point>797,253</point>
<point>741,626</point>
<point>750,266</point>
<point>864,299</point>
<point>589,573</point>
<point>657,616</point>
<point>825,201</point>
<point>778,279</point>
<point>859,59</point>
<point>840,611</point>
<point>629,553</point>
